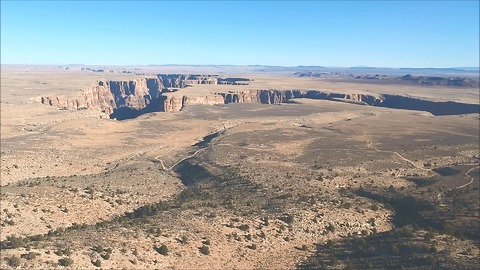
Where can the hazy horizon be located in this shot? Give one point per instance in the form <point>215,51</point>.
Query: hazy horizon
<point>246,65</point>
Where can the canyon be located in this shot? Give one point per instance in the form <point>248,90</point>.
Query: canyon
<point>163,93</point>
<point>253,168</point>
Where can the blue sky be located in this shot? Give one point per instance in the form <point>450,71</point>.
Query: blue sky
<point>342,33</point>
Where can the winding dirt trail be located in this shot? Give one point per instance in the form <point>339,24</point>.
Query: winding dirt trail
<point>472,178</point>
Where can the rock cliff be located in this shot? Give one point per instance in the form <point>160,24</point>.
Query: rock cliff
<point>107,96</point>
<point>128,99</point>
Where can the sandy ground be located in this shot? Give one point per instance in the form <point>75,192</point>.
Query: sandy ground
<point>60,168</point>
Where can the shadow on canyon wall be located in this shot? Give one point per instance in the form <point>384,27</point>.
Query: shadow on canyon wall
<point>124,113</point>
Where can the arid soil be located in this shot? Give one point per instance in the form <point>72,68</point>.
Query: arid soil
<point>303,184</point>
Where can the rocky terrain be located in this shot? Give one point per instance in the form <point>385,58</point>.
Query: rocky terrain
<point>281,173</point>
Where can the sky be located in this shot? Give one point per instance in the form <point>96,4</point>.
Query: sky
<point>278,33</point>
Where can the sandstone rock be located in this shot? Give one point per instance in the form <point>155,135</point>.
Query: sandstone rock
<point>151,94</point>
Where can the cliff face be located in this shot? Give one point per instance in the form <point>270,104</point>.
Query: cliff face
<point>282,96</point>
<point>128,99</point>
<point>107,96</point>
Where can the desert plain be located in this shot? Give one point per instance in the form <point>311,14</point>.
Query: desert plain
<point>271,169</point>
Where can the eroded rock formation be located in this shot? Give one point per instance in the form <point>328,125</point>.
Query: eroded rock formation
<point>128,99</point>
<point>107,96</point>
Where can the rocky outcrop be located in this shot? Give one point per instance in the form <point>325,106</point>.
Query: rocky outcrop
<point>140,95</point>
<point>282,96</point>
<point>107,96</point>
<point>182,80</point>
<point>174,103</point>
<point>128,99</point>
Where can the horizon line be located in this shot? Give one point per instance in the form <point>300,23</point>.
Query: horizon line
<point>245,65</point>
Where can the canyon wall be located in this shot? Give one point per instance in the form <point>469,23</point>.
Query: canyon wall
<point>128,99</point>
<point>106,96</point>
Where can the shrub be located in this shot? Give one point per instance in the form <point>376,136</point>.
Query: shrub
<point>331,227</point>
<point>394,249</point>
<point>334,261</point>
<point>432,259</point>
<point>266,221</point>
<point>163,249</point>
<point>183,240</point>
<point>97,263</point>
<point>13,261</point>
<point>304,247</point>
<point>29,256</point>
<point>330,244</point>
<point>15,242</point>
<point>98,249</point>
<point>205,250</point>
<point>349,266</point>
<point>244,227</point>
<point>288,218</point>
<point>368,264</point>
<point>65,261</point>
<point>429,236</point>
<point>361,249</point>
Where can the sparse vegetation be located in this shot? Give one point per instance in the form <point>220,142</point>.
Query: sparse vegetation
<point>205,250</point>
<point>65,261</point>
<point>97,263</point>
<point>13,261</point>
<point>30,255</point>
<point>163,249</point>
<point>380,201</point>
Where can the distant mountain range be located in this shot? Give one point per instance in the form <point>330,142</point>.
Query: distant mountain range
<point>453,69</point>
<point>449,69</point>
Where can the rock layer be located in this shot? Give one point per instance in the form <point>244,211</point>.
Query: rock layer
<point>151,94</point>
